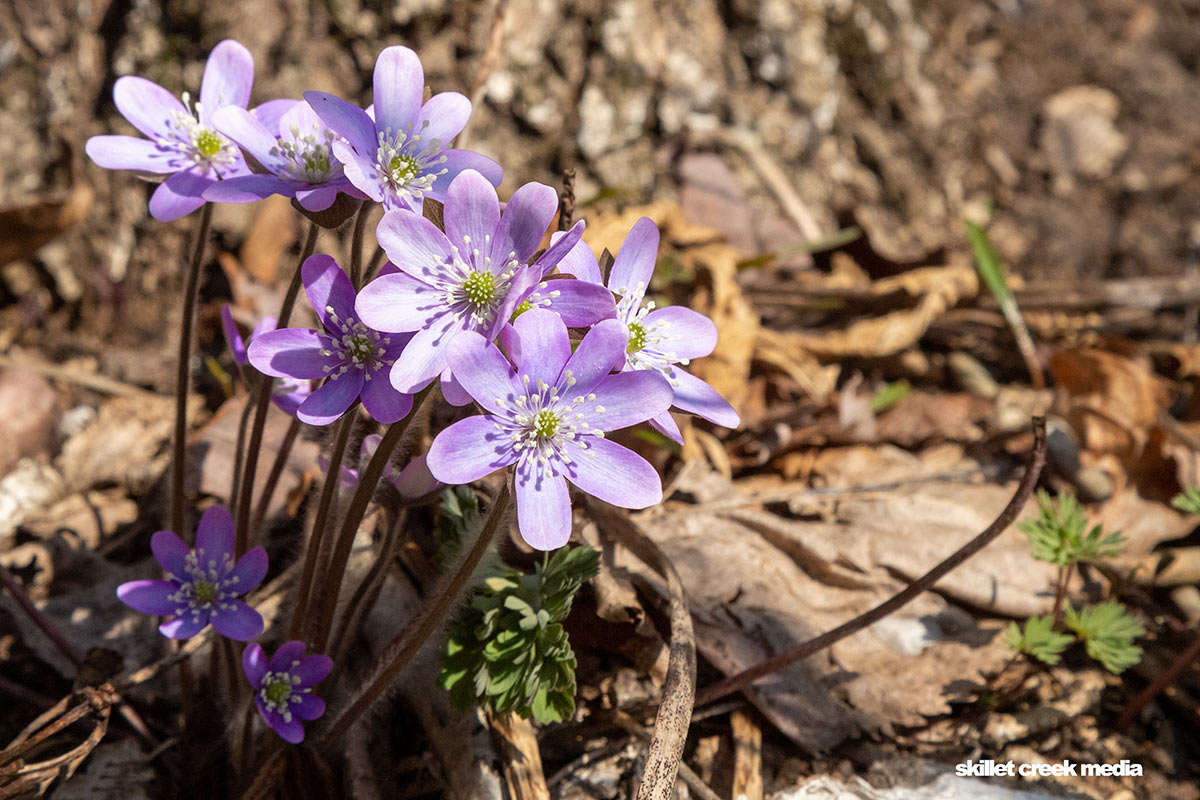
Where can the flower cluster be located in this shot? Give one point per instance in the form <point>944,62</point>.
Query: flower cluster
<point>509,318</point>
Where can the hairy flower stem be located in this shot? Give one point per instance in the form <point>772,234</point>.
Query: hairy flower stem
<point>333,476</point>
<point>281,459</point>
<point>239,453</point>
<point>47,626</point>
<point>368,589</point>
<point>331,583</point>
<point>1060,592</point>
<point>184,371</point>
<point>356,244</point>
<point>261,403</point>
<point>404,647</point>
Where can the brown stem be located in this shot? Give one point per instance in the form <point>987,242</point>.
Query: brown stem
<point>281,458</point>
<point>356,241</point>
<point>1160,683</point>
<point>321,522</point>
<point>368,589</point>
<point>1033,469</point>
<point>47,626</point>
<point>1060,592</point>
<point>184,372</point>
<point>262,402</point>
<point>406,644</point>
<point>239,454</point>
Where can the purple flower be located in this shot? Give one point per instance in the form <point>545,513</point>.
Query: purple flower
<point>295,152</point>
<point>401,154</point>
<point>181,140</point>
<point>660,339</point>
<point>288,393</point>
<point>412,482</point>
<point>470,278</point>
<point>202,586</point>
<point>283,686</point>
<point>350,354</point>
<point>549,418</point>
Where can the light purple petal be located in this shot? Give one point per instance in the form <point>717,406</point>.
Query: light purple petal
<point>523,284</point>
<point>579,302</point>
<point>545,346</point>
<point>382,402</point>
<point>697,397</point>
<point>471,214</point>
<point>240,623</point>
<point>249,189</point>
<point>249,571</point>
<point>692,335</point>
<point>414,244</point>
<point>249,133</point>
<point>184,627</point>
<point>453,391</point>
<point>237,345</point>
<point>447,114</point>
<point>287,654</point>
<point>312,670</point>
<point>214,535</point>
<point>627,399</point>
<point>329,290</point>
<point>329,402</point>
<point>149,107</point>
<point>601,351</point>
<point>416,480</point>
<point>270,112</point>
<point>317,198</point>
<point>346,119</point>
<point>179,195</point>
<point>665,424</point>
<point>579,261</point>
<point>310,707</point>
<point>129,152</point>
<point>291,353</point>
<point>425,355</point>
<point>170,552</point>
<point>543,507</point>
<point>615,474</point>
<point>399,85</point>
<point>560,245</point>
<point>635,260</point>
<point>457,162</point>
<point>254,664</point>
<point>359,170</point>
<point>468,450</point>
<point>228,75</point>
<point>526,217</point>
<point>485,373</point>
<point>398,302</point>
<point>149,597</point>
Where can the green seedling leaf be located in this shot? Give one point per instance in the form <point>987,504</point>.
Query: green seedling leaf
<point>1039,639</point>
<point>1108,632</point>
<point>1060,534</point>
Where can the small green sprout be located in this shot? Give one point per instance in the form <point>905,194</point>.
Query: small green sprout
<point>1189,501</point>
<point>1108,631</point>
<point>1059,534</point>
<point>1039,639</point>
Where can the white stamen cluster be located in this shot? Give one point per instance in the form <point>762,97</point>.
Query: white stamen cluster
<point>278,691</point>
<point>471,287</point>
<point>207,586</point>
<point>647,341</point>
<point>538,298</point>
<point>355,346</point>
<point>545,427</point>
<point>198,144</point>
<point>306,154</point>
<point>408,165</point>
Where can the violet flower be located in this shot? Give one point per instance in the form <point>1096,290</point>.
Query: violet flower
<point>470,278</point>
<point>203,585</point>
<point>283,686</point>
<point>549,418</point>
<point>353,356</point>
<point>660,339</point>
<point>181,140</point>
<point>295,152</point>
<point>401,154</point>
<point>287,393</point>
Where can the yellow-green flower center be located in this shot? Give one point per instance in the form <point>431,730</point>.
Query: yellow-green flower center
<point>208,143</point>
<point>480,288</point>
<point>522,307</point>
<point>545,424</point>
<point>402,168</point>
<point>278,691</point>
<point>203,591</point>
<point>637,337</point>
<point>360,348</point>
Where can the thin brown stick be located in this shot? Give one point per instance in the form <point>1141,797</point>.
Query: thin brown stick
<point>1158,685</point>
<point>1033,469</point>
<point>183,371</point>
<point>368,589</point>
<point>281,459</point>
<point>487,65</point>
<point>566,200</point>
<point>47,625</point>
<point>239,448</point>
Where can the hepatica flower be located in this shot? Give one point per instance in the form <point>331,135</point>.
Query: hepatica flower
<point>548,419</point>
<point>470,278</point>
<point>288,393</point>
<point>352,356</point>
<point>202,585</point>
<point>296,152</point>
<point>402,154</point>
<point>661,340</point>
<point>180,138</point>
<point>283,686</point>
